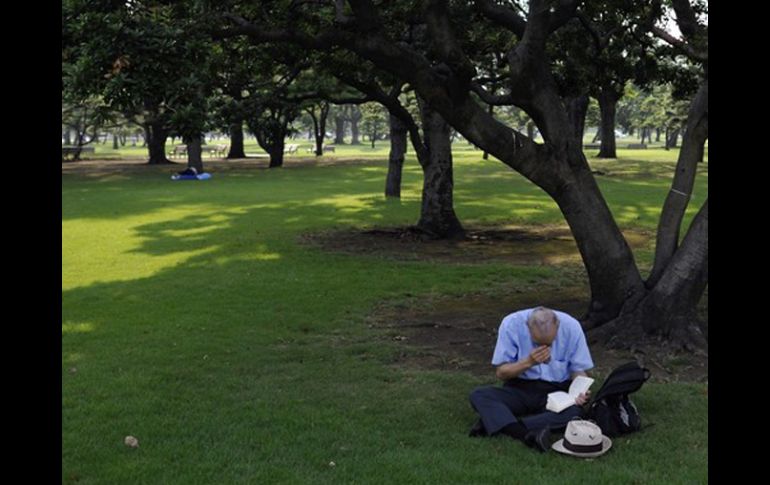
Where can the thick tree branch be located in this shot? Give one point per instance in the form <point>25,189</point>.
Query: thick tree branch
<point>443,40</point>
<point>687,20</point>
<point>683,46</point>
<point>502,16</point>
<point>361,100</point>
<point>324,41</point>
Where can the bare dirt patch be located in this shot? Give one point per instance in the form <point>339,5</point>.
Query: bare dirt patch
<point>523,245</point>
<point>459,333</point>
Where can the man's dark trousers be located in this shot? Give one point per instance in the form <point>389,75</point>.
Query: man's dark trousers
<point>521,400</point>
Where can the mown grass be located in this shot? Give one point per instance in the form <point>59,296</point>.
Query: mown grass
<point>194,320</point>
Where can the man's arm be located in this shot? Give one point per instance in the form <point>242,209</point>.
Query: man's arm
<point>510,370</point>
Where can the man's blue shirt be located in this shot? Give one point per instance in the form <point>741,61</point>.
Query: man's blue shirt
<point>569,351</point>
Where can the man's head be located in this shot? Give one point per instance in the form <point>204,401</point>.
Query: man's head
<point>543,325</point>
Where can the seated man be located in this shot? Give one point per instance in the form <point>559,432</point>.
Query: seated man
<point>538,351</point>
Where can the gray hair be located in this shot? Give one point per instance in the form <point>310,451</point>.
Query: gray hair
<point>543,319</point>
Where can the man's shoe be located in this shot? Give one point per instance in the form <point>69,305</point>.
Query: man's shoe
<point>539,439</point>
<point>477,430</point>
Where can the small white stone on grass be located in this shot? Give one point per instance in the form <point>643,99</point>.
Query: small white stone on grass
<point>132,442</point>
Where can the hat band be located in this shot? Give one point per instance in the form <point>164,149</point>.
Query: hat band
<point>581,448</point>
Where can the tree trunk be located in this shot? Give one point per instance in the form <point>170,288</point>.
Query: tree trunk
<point>437,216</point>
<point>322,118</point>
<point>122,140</point>
<point>236,141</point>
<point>678,197</point>
<point>577,108</point>
<point>530,130</point>
<point>657,134</point>
<point>354,131</point>
<point>114,141</point>
<point>319,141</point>
<point>608,100</point>
<point>339,124</point>
<point>276,154</point>
<point>668,310</point>
<point>195,153</point>
<point>612,273</point>
<point>672,138</point>
<point>67,137</point>
<point>597,135</point>
<point>396,157</point>
<point>156,143</point>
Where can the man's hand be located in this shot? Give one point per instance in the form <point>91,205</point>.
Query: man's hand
<point>582,398</point>
<point>540,355</point>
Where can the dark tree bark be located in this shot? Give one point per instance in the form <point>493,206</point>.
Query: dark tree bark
<point>437,217</point>
<point>276,155</point>
<point>672,138</point>
<point>608,100</point>
<point>319,125</point>
<point>678,197</point>
<point>236,141</point>
<point>668,309</point>
<point>156,143</point>
<point>396,157</point>
<point>355,117</point>
<point>271,137</point>
<point>195,153</point>
<point>577,109</point>
<point>657,134</point>
<point>122,139</point>
<point>114,141</point>
<point>339,125</point>
<point>644,134</point>
<point>67,137</point>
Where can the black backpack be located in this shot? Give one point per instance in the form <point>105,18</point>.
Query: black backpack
<point>610,408</point>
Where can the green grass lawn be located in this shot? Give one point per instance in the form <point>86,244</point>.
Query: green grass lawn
<point>194,320</point>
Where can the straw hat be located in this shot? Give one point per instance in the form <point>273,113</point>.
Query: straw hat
<point>583,439</point>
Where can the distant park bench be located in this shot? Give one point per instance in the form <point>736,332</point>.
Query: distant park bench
<point>591,146</point>
<point>218,150</point>
<point>326,148</point>
<point>178,151</point>
<point>290,149</point>
<point>637,146</point>
<point>212,150</point>
<point>70,151</point>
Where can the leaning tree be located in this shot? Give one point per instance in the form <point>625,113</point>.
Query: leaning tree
<point>662,304</point>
